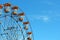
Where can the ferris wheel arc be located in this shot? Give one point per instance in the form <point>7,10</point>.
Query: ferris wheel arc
<point>16,22</point>
<point>29,23</point>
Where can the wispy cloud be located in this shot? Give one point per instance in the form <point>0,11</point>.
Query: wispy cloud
<point>38,17</point>
<point>48,3</point>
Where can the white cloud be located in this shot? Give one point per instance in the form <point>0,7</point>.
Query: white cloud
<point>48,2</point>
<point>39,18</point>
<point>45,19</point>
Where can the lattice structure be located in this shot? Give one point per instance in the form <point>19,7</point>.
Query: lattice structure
<point>14,24</point>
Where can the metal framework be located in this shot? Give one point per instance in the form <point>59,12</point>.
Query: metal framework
<point>14,24</point>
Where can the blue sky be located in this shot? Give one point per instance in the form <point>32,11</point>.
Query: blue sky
<point>44,16</point>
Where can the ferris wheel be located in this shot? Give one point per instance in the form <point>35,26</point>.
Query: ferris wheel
<point>14,24</point>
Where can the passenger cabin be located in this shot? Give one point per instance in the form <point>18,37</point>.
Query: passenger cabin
<point>7,7</point>
<point>21,14</point>
<point>29,33</point>
<point>29,38</point>
<point>25,22</point>
<point>1,6</point>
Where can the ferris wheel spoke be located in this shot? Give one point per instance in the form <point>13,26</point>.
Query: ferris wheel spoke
<point>19,27</point>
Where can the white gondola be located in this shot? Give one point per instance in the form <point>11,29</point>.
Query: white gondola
<point>21,16</point>
<point>26,27</point>
<point>7,7</point>
<point>15,9</point>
